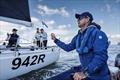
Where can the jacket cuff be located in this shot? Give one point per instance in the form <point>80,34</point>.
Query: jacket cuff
<point>91,70</point>
<point>56,40</point>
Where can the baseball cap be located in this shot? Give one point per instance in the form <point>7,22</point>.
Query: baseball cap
<point>84,14</point>
<point>14,29</point>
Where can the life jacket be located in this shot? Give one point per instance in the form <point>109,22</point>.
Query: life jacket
<point>13,37</point>
<point>90,32</point>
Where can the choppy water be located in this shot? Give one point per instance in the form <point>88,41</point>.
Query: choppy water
<point>66,61</point>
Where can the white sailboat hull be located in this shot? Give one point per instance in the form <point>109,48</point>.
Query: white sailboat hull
<point>12,65</point>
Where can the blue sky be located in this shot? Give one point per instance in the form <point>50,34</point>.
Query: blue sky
<point>105,12</point>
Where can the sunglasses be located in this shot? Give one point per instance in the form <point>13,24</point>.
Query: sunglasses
<point>80,18</point>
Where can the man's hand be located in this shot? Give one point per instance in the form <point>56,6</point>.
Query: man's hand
<point>79,76</point>
<point>53,37</point>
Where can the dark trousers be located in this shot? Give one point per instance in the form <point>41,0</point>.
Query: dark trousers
<point>38,43</point>
<point>45,43</point>
<point>67,75</point>
<point>42,44</point>
<point>11,43</point>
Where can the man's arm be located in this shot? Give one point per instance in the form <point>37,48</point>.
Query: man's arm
<point>100,46</point>
<point>66,47</point>
<point>8,37</point>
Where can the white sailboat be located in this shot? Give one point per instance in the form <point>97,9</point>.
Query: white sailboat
<point>118,43</point>
<point>17,61</point>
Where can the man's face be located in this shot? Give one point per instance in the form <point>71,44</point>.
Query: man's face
<point>82,21</point>
<point>37,29</point>
<point>14,32</point>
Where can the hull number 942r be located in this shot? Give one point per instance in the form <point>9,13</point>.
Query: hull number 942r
<point>28,61</point>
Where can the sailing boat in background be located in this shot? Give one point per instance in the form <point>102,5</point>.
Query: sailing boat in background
<point>22,60</point>
<point>118,43</point>
<point>119,39</point>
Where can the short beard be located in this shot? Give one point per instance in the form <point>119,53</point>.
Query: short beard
<point>80,26</point>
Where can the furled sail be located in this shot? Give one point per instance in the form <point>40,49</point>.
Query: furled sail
<point>15,11</point>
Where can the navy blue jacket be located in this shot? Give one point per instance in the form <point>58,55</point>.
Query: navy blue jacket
<point>92,52</point>
<point>13,37</point>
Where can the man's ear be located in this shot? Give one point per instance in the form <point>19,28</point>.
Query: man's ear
<point>87,19</point>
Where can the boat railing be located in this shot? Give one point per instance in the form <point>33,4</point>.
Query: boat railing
<point>9,48</point>
<point>32,48</point>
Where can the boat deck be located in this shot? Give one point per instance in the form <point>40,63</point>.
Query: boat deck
<point>4,52</point>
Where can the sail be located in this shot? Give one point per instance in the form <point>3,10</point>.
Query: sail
<point>15,11</point>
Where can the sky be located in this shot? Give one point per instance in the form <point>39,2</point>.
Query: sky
<point>105,12</point>
<point>59,15</point>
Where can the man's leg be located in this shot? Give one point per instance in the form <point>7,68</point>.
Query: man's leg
<point>67,75</point>
<point>37,42</point>
<point>14,44</point>
<point>41,44</point>
<point>45,44</point>
<point>10,43</point>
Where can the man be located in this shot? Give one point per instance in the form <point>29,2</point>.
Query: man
<point>13,39</point>
<point>38,37</point>
<point>91,44</point>
<point>44,37</point>
<point>117,61</point>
